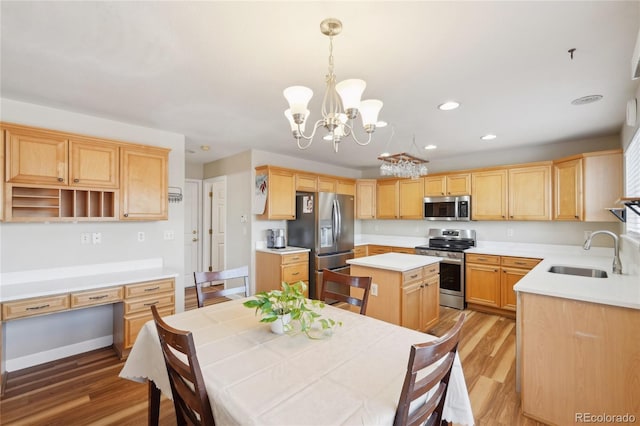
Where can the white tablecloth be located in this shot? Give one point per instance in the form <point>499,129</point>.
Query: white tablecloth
<point>255,377</point>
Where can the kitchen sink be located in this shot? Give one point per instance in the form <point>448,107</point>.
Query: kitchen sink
<point>574,270</point>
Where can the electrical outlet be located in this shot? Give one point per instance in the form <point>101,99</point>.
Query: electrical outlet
<point>140,236</point>
<point>97,238</point>
<point>374,289</point>
<point>169,235</point>
<point>509,232</point>
<point>85,238</point>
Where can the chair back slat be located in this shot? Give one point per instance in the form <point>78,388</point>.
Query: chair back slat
<point>190,398</point>
<point>421,356</point>
<point>210,277</point>
<point>341,286</point>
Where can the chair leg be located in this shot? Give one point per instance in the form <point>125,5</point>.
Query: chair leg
<point>154,404</point>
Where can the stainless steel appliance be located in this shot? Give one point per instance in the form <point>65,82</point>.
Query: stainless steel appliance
<point>450,245</point>
<point>447,208</point>
<point>324,224</point>
<point>276,238</point>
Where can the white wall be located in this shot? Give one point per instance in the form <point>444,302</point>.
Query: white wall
<point>27,246</point>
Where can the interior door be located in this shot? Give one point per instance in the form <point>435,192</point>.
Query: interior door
<point>192,230</point>
<point>215,224</point>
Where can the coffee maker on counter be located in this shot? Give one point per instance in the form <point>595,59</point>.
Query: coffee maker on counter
<point>276,238</point>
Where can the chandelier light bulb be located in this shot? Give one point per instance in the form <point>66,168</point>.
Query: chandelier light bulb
<point>298,98</point>
<point>350,92</point>
<point>369,111</point>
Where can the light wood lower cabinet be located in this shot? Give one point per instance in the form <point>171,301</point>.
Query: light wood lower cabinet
<point>410,299</point>
<point>135,311</point>
<point>490,280</point>
<point>274,268</point>
<point>375,249</point>
<point>360,251</point>
<point>578,358</point>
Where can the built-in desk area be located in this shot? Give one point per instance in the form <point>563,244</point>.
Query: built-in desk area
<point>131,287</point>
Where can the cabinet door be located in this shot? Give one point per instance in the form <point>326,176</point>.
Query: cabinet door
<point>93,163</point>
<point>346,187</point>
<point>387,199</point>
<point>326,184</point>
<point>567,186</point>
<point>430,303</point>
<point>2,201</point>
<point>483,284</point>
<point>434,186</point>
<point>144,178</point>
<point>411,305</point>
<point>530,193</point>
<point>306,183</point>
<point>281,193</point>
<point>489,195</point>
<point>366,199</point>
<point>602,185</point>
<point>34,157</point>
<point>411,195</point>
<point>458,184</point>
<point>510,276</point>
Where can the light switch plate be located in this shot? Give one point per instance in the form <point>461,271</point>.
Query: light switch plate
<point>140,236</point>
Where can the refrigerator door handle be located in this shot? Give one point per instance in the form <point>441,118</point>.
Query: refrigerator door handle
<point>339,215</point>
<point>334,222</point>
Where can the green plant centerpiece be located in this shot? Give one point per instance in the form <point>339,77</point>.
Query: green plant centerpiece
<point>290,301</point>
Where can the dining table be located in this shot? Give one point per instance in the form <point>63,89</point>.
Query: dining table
<point>351,374</point>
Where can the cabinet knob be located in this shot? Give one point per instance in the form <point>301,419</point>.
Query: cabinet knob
<point>76,180</point>
<point>577,217</point>
<point>194,240</point>
<point>126,215</point>
<point>60,179</point>
<point>511,217</point>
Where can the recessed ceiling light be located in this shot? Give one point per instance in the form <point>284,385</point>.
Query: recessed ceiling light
<point>205,147</point>
<point>381,124</point>
<point>448,106</point>
<point>586,100</point>
<point>488,137</point>
<point>430,147</point>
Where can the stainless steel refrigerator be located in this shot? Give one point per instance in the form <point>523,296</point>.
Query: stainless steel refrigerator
<point>324,224</point>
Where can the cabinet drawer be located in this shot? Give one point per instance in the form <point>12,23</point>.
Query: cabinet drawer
<point>96,297</point>
<point>296,272</point>
<point>406,250</point>
<point>148,288</point>
<point>134,323</point>
<point>35,306</point>
<point>487,259</point>
<point>359,251</point>
<point>412,276</point>
<point>378,250</point>
<point>430,270</point>
<point>143,304</point>
<point>519,262</point>
<point>295,258</point>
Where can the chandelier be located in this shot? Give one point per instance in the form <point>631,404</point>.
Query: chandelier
<point>340,105</point>
<point>403,165</point>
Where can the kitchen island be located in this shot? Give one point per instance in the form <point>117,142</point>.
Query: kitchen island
<point>405,288</point>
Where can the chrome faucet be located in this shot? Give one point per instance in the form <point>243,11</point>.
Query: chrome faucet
<point>617,265</point>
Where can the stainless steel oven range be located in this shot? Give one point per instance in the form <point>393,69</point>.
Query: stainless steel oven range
<point>450,245</point>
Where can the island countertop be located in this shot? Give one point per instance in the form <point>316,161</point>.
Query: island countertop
<point>400,262</point>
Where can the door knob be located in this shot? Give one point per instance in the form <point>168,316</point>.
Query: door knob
<point>194,240</point>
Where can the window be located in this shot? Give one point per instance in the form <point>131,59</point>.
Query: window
<point>632,178</point>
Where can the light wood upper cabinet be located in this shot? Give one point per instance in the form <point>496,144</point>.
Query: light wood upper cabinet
<point>489,195</point>
<point>365,199</point>
<point>387,199</point>
<point>411,193</point>
<point>454,184</point>
<point>36,157</point>
<point>144,183</point>
<point>567,176</point>
<point>346,187</point>
<point>530,193</point>
<point>584,187</point>
<point>326,184</point>
<point>306,183</point>
<point>93,163</point>
<point>281,193</point>
<point>1,204</point>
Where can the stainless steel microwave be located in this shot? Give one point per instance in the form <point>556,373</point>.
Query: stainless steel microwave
<point>447,208</point>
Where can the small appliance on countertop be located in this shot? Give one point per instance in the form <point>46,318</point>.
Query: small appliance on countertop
<point>276,238</point>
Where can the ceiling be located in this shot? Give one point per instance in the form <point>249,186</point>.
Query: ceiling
<point>215,71</point>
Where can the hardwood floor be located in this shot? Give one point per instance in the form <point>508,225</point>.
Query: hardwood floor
<point>85,389</point>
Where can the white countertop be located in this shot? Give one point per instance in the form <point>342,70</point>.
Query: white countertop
<point>286,250</point>
<point>616,290</point>
<point>400,262</point>
<point>46,282</point>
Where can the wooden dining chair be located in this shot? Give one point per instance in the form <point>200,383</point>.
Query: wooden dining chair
<point>190,397</point>
<point>202,278</point>
<point>422,356</point>
<point>340,289</point>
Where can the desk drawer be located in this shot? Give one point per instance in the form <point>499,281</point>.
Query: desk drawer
<point>295,258</point>
<point>35,306</point>
<point>148,288</point>
<point>144,304</point>
<point>96,297</point>
<point>295,273</point>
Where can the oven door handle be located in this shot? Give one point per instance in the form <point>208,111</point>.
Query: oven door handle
<point>452,261</point>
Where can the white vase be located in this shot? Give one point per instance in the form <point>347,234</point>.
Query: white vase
<point>279,325</point>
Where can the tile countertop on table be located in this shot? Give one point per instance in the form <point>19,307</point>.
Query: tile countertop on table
<point>617,289</point>
<point>46,282</point>
<point>400,262</point>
